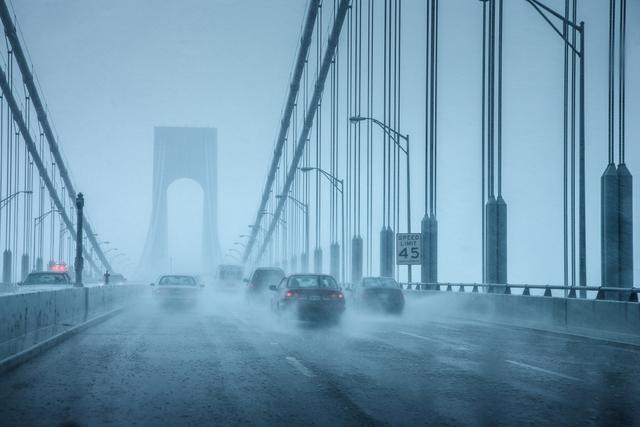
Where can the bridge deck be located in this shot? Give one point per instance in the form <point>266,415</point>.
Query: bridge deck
<point>224,364</point>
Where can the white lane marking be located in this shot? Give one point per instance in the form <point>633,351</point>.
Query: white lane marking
<point>438,340</point>
<point>409,334</point>
<point>546,371</point>
<point>299,366</point>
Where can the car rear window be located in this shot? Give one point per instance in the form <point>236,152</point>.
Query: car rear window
<point>312,282</point>
<point>177,281</point>
<point>46,279</point>
<point>267,277</point>
<point>380,282</point>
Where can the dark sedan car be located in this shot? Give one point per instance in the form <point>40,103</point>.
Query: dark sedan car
<point>309,297</point>
<point>262,278</point>
<point>378,293</point>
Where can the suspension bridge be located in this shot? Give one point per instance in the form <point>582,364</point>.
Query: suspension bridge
<point>360,183</point>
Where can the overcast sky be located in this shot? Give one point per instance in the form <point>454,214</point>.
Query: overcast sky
<point>112,70</point>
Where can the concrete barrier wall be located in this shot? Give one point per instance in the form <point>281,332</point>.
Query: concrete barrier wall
<point>602,319</point>
<point>29,318</point>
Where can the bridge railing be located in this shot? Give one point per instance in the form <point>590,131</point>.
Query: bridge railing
<point>592,292</point>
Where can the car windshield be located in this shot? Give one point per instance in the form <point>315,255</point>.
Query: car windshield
<point>177,281</point>
<point>267,277</point>
<point>379,282</point>
<point>46,279</point>
<point>230,274</point>
<point>312,282</point>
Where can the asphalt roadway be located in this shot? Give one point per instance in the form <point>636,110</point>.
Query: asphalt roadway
<point>228,362</point>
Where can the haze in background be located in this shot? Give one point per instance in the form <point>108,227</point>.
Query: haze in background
<point>111,71</point>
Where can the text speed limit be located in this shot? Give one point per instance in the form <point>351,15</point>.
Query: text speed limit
<point>408,248</point>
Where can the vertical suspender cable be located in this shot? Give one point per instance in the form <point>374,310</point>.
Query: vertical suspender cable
<point>573,148</point>
<point>385,193</point>
<point>359,112</point>
<point>318,130</point>
<point>434,181</point>
<point>612,28</point>
<point>565,147</point>
<point>427,61</point>
<point>432,106</point>
<point>621,81</point>
<point>499,105</point>
<point>394,117</point>
<point>492,44</point>
<point>483,130</point>
<point>370,92</point>
<point>398,76</point>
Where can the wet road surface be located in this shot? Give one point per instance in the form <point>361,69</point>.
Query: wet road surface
<point>226,362</point>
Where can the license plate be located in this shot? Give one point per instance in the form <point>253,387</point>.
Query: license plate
<point>314,298</point>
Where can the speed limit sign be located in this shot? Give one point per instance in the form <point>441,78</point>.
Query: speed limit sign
<point>408,248</point>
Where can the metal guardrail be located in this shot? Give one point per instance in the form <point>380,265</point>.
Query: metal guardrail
<point>602,292</point>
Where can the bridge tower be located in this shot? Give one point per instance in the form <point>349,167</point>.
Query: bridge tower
<point>182,152</point>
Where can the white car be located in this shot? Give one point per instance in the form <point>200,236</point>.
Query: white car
<point>177,287</point>
<point>45,281</point>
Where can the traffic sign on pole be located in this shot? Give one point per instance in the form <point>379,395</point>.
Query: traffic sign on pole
<point>408,249</point>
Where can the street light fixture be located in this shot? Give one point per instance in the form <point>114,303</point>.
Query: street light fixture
<point>305,209</point>
<point>7,199</point>
<point>395,136</point>
<point>339,185</point>
<point>264,212</point>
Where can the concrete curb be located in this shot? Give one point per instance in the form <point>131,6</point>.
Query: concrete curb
<point>18,359</point>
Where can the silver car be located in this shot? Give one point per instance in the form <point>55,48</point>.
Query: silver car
<point>45,281</point>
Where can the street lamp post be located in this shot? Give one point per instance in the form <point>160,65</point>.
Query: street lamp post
<point>259,230</point>
<point>36,221</point>
<point>395,135</point>
<point>305,209</point>
<point>580,28</point>
<point>281,222</point>
<point>79,261</point>
<point>339,185</point>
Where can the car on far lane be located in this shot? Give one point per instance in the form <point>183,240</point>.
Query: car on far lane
<point>308,297</point>
<point>378,293</point>
<point>45,281</point>
<point>117,279</point>
<point>177,288</point>
<point>229,277</point>
<point>262,278</point>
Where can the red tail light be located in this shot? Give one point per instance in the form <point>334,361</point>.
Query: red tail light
<point>337,295</point>
<point>290,294</point>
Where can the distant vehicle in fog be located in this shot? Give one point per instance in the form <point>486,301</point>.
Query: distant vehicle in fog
<point>262,278</point>
<point>45,281</point>
<point>378,293</point>
<point>177,288</point>
<point>229,276</point>
<point>308,297</point>
<point>116,279</point>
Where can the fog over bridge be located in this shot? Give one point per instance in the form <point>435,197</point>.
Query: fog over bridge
<point>330,212</point>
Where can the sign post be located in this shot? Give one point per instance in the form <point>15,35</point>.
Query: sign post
<point>409,248</point>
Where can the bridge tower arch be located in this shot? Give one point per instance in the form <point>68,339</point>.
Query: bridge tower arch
<point>182,152</point>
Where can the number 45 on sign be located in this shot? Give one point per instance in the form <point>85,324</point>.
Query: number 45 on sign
<point>408,249</point>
